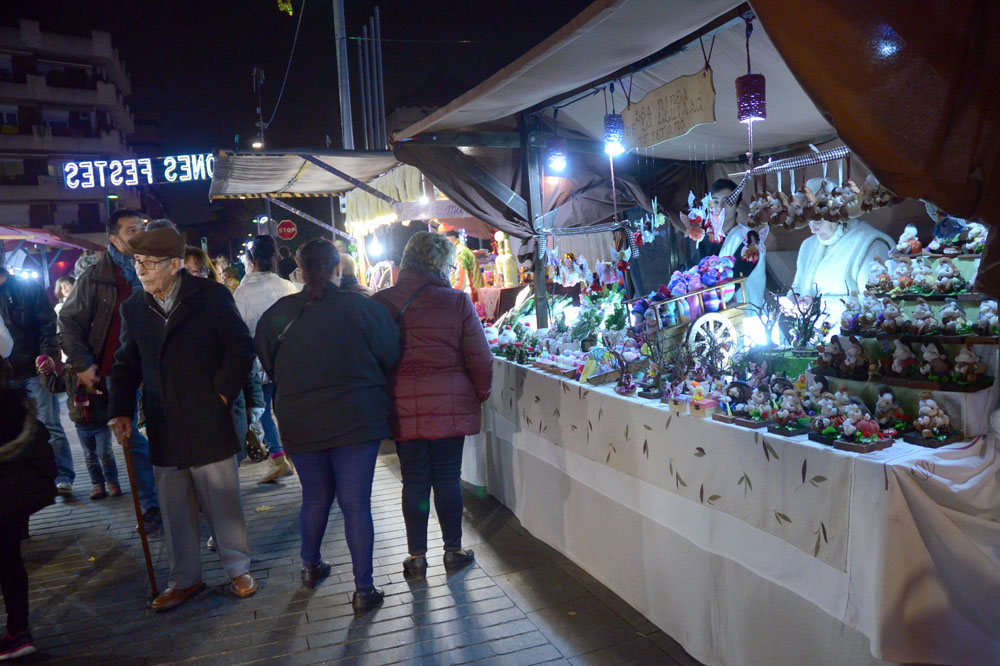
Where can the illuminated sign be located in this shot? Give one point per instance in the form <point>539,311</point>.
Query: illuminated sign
<point>138,171</point>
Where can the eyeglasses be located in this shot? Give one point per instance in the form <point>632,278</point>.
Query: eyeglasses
<point>150,265</point>
<point>200,272</point>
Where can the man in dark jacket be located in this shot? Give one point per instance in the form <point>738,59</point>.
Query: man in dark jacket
<point>184,340</point>
<point>28,315</point>
<point>90,324</point>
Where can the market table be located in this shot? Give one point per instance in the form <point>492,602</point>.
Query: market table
<point>752,548</point>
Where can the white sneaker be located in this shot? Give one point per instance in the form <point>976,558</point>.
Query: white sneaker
<point>277,468</point>
<point>211,544</point>
<point>64,488</point>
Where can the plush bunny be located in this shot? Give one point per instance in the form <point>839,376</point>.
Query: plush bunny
<point>935,363</point>
<point>909,243</point>
<point>987,322</point>
<point>924,322</point>
<point>887,411</point>
<point>893,319</point>
<point>878,276</point>
<point>903,359</point>
<point>855,359</point>
<point>968,365</point>
<point>931,420</point>
<point>952,317</point>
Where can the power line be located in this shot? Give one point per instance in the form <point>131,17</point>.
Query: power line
<point>432,41</point>
<point>288,68</point>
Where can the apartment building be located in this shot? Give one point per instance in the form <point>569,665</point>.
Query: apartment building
<point>63,98</point>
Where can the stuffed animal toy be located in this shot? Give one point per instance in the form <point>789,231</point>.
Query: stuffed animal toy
<point>789,409</point>
<point>878,276</point>
<point>887,411</point>
<point>492,336</point>
<point>852,197</point>
<point>968,365</point>
<point>924,322</point>
<point>920,271</point>
<point>935,363</point>
<point>909,243</point>
<point>871,310</point>
<point>829,415</point>
<point>902,277</point>
<point>931,420</point>
<point>859,423</point>
<point>855,358</point>
<point>852,309</point>
<point>952,317</point>
<point>948,278</point>
<point>903,359</point>
<point>506,336</point>
<point>874,196</point>
<point>975,238</point>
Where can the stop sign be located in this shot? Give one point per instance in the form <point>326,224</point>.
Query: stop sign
<point>287,230</point>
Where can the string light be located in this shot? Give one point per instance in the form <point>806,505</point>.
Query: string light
<point>557,153</point>
<point>614,129</point>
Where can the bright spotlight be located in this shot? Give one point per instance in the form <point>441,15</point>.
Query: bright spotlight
<point>375,247</point>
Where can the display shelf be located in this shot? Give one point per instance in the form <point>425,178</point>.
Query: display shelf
<point>944,339</point>
<point>905,382</point>
<point>932,442</point>
<point>750,423</point>
<point>786,431</point>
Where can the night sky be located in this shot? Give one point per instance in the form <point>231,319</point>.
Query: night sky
<point>191,62</point>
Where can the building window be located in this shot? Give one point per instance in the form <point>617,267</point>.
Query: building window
<point>11,171</point>
<point>8,115</point>
<point>55,117</point>
<point>6,67</point>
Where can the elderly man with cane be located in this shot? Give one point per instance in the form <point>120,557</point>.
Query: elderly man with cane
<point>183,340</point>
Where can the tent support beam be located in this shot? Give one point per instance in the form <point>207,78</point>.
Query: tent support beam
<point>488,182</point>
<point>350,179</point>
<point>729,19</point>
<point>532,155</point>
<point>502,140</point>
<point>309,218</point>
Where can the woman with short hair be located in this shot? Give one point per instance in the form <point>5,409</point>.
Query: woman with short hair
<point>329,353</point>
<point>445,372</point>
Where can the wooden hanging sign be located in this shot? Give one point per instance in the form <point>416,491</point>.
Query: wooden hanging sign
<point>672,110</point>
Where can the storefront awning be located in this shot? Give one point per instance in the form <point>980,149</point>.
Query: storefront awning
<point>11,237</point>
<point>306,173</point>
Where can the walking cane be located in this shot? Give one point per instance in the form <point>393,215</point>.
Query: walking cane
<point>138,514</point>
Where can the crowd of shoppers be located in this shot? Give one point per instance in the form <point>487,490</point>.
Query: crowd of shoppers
<point>154,342</point>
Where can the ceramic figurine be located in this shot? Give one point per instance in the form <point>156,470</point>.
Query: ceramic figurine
<point>859,423</point>
<point>924,322</point>
<point>903,359</point>
<point>888,413</point>
<point>852,310</point>
<point>931,420</point>
<point>920,271</point>
<point>855,358</point>
<point>846,397</point>
<point>948,279</point>
<point>829,415</point>
<point>947,231</point>
<point>902,277</point>
<point>506,336</point>
<point>975,238</point>
<point>952,317</point>
<point>908,241</point>
<point>878,276</point>
<point>893,318</point>
<point>789,409</point>
<point>935,362</point>
<point>987,322</point>
<point>831,355</point>
<point>850,194</point>
<point>492,336</point>
<point>968,367</point>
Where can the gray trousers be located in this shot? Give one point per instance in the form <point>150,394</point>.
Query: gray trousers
<point>215,489</point>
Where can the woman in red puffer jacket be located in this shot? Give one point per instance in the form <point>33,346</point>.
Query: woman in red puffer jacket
<point>444,373</point>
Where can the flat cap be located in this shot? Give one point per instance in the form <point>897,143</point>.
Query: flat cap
<point>162,242</point>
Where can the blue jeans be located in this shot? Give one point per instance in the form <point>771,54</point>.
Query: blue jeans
<point>141,464</point>
<point>97,451</point>
<point>345,472</point>
<point>427,463</point>
<point>271,437</point>
<point>47,405</point>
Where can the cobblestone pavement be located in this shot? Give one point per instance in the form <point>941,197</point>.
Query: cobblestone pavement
<point>522,603</point>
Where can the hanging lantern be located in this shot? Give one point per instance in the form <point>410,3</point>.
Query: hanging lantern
<point>614,134</point>
<point>751,103</point>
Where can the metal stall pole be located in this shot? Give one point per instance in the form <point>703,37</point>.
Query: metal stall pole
<point>343,75</point>
<point>531,156</point>
<point>362,73</point>
<point>367,67</point>
<point>383,133</point>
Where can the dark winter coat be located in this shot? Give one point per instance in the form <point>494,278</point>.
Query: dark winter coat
<point>186,359</point>
<point>27,463</point>
<point>31,320</point>
<point>86,316</point>
<point>445,368</point>
<point>330,373</point>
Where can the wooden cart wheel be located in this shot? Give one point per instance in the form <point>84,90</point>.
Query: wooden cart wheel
<point>712,325</point>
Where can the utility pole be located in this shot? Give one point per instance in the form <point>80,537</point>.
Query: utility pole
<point>343,74</point>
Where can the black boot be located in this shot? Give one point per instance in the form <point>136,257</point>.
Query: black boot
<point>456,559</point>
<point>311,576</point>
<point>415,566</point>
<point>365,600</point>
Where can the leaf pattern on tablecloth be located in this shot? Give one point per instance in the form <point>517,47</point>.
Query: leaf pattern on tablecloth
<point>781,517</point>
<point>699,452</point>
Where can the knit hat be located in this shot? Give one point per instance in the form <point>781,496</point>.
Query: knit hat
<point>162,242</point>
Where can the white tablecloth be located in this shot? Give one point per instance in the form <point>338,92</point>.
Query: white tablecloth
<point>751,548</point>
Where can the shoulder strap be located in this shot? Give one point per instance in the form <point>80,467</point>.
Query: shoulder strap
<point>284,331</point>
<point>409,301</point>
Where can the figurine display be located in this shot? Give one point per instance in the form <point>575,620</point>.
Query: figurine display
<point>902,274</point>
<point>948,232</point>
<point>879,280</point>
<point>814,393</point>
<point>908,241</point>
<point>852,311</point>
<point>924,322</point>
<point>735,402</point>
<point>759,408</point>
<point>935,363</point>
<point>861,433</point>
<point>831,355</point>
<point>826,424</point>
<point>952,317</point>
<point>790,418</point>
<point>968,366</point>
<point>975,238</point>
<point>893,318</point>
<point>987,322</point>
<point>871,310</point>
<point>920,271</point>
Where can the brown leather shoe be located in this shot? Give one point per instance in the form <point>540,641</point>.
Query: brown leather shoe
<point>244,586</point>
<point>171,598</point>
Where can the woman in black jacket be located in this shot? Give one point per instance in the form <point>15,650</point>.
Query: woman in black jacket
<point>329,352</point>
<point>27,473</point>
